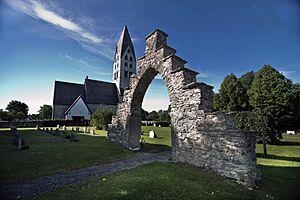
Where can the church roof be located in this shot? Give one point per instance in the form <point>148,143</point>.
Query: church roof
<point>92,92</point>
<point>65,93</point>
<point>100,92</point>
<point>124,42</point>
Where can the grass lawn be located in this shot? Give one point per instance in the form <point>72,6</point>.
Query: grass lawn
<point>159,144</point>
<point>281,179</point>
<point>51,154</point>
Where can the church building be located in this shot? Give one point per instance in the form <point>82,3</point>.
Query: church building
<point>73,101</point>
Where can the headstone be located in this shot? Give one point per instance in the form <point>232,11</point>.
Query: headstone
<point>22,145</point>
<point>73,138</point>
<point>84,129</point>
<point>92,131</point>
<point>152,134</point>
<point>154,124</point>
<point>47,130</point>
<point>14,131</point>
<point>51,129</point>
<point>72,129</point>
<point>290,132</point>
<point>58,126</point>
<point>159,126</point>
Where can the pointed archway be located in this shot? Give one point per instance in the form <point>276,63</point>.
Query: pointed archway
<point>199,137</point>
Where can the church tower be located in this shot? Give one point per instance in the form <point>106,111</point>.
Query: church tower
<point>124,64</point>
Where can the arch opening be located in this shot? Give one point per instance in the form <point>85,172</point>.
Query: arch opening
<point>135,119</point>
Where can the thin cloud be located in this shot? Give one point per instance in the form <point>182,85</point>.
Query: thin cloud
<point>83,64</point>
<point>286,73</point>
<point>76,30</point>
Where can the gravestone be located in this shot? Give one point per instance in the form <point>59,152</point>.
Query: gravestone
<point>22,145</point>
<point>73,138</point>
<point>58,126</point>
<point>84,129</point>
<point>92,131</point>
<point>152,134</point>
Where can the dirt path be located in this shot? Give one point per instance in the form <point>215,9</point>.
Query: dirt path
<point>31,188</point>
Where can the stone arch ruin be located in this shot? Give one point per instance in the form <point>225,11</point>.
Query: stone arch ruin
<point>199,137</point>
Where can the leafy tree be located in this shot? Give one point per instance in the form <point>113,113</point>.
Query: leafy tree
<point>45,112</point>
<point>4,116</point>
<point>272,92</point>
<point>144,114</point>
<point>153,116</point>
<point>247,79</point>
<point>232,95</point>
<point>17,109</point>
<point>101,118</point>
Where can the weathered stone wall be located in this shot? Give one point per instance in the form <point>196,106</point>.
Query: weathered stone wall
<point>204,139</point>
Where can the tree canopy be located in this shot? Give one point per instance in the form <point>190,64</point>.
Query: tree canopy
<point>232,95</point>
<point>45,112</point>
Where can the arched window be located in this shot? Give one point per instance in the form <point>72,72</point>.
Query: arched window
<point>130,65</point>
<point>126,57</point>
<point>128,51</point>
<point>131,58</point>
<point>126,64</point>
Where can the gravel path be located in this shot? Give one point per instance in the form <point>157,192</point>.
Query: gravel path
<point>49,183</point>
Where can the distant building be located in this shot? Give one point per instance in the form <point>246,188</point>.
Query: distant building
<point>79,101</point>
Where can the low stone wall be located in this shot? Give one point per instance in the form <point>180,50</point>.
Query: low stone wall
<point>46,123</point>
<point>219,146</point>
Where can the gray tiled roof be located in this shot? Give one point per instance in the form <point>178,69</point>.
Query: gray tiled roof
<point>65,93</point>
<point>92,92</point>
<point>100,92</point>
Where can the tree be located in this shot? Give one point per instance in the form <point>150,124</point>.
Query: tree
<point>153,116</point>
<point>272,92</point>
<point>45,112</point>
<point>17,109</point>
<point>101,118</point>
<point>232,95</point>
<point>247,79</point>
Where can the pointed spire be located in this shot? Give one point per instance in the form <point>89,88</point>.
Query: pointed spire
<point>124,42</point>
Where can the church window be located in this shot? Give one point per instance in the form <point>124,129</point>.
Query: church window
<point>126,57</point>
<point>128,51</point>
<point>125,74</point>
<point>126,64</point>
<point>131,58</point>
<point>130,65</point>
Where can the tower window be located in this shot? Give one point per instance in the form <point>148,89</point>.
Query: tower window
<point>131,58</point>
<point>130,65</point>
<point>128,51</point>
<point>125,74</point>
<point>126,57</point>
<point>126,64</point>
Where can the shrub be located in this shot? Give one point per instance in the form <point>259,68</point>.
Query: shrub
<point>101,118</point>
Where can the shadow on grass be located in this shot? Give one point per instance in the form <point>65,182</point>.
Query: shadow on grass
<point>154,148</point>
<point>261,155</point>
<point>279,182</point>
<point>287,143</point>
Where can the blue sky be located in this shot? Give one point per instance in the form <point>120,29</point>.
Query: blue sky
<point>44,41</point>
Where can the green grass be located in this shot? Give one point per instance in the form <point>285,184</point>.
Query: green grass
<point>280,179</point>
<point>51,154</point>
<point>159,144</point>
